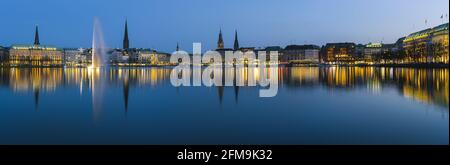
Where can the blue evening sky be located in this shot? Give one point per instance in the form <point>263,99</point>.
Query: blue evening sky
<point>161,24</point>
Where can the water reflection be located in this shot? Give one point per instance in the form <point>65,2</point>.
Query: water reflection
<point>424,85</point>
<point>429,86</point>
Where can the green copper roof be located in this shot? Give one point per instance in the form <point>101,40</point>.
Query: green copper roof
<point>23,46</point>
<point>427,32</point>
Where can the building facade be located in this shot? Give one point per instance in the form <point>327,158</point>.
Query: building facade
<point>140,57</point>
<point>151,57</point>
<point>3,55</point>
<point>75,57</point>
<point>278,49</point>
<point>307,54</point>
<point>339,53</point>
<point>163,58</point>
<point>117,57</point>
<point>427,46</point>
<point>371,52</point>
<point>35,55</point>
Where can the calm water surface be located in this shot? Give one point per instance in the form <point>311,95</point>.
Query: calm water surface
<point>314,105</point>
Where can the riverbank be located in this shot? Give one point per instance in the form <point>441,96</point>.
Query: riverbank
<point>434,65</point>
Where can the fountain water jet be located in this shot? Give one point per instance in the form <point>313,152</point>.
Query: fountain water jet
<point>99,51</point>
<point>98,70</point>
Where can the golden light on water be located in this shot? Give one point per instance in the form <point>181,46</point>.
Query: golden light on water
<point>425,85</point>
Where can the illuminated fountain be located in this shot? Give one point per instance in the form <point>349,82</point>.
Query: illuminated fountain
<point>98,68</point>
<point>99,50</point>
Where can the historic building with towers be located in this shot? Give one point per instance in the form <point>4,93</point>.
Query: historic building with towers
<point>136,56</point>
<point>221,45</point>
<point>35,55</point>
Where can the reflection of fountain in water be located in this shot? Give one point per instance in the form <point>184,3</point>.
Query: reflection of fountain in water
<point>98,67</point>
<point>98,82</point>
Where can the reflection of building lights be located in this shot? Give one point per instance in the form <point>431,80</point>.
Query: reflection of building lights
<point>425,85</point>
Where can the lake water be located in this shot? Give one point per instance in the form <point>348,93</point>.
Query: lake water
<point>314,105</point>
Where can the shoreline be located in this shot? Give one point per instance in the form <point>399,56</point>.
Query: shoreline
<point>280,65</point>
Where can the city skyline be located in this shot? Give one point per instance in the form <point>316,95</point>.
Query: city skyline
<point>165,38</point>
<point>224,80</point>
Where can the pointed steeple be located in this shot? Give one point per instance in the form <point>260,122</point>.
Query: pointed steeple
<point>220,44</point>
<point>36,37</point>
<point>236,41</point>
<point>126,42</point>
<point>178,47</point>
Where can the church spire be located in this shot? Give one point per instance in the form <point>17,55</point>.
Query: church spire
<point>36,37</point>
<point>236,41</point>
<point>126,42</point>
<point>220,44</point>
<point>178,47</point>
